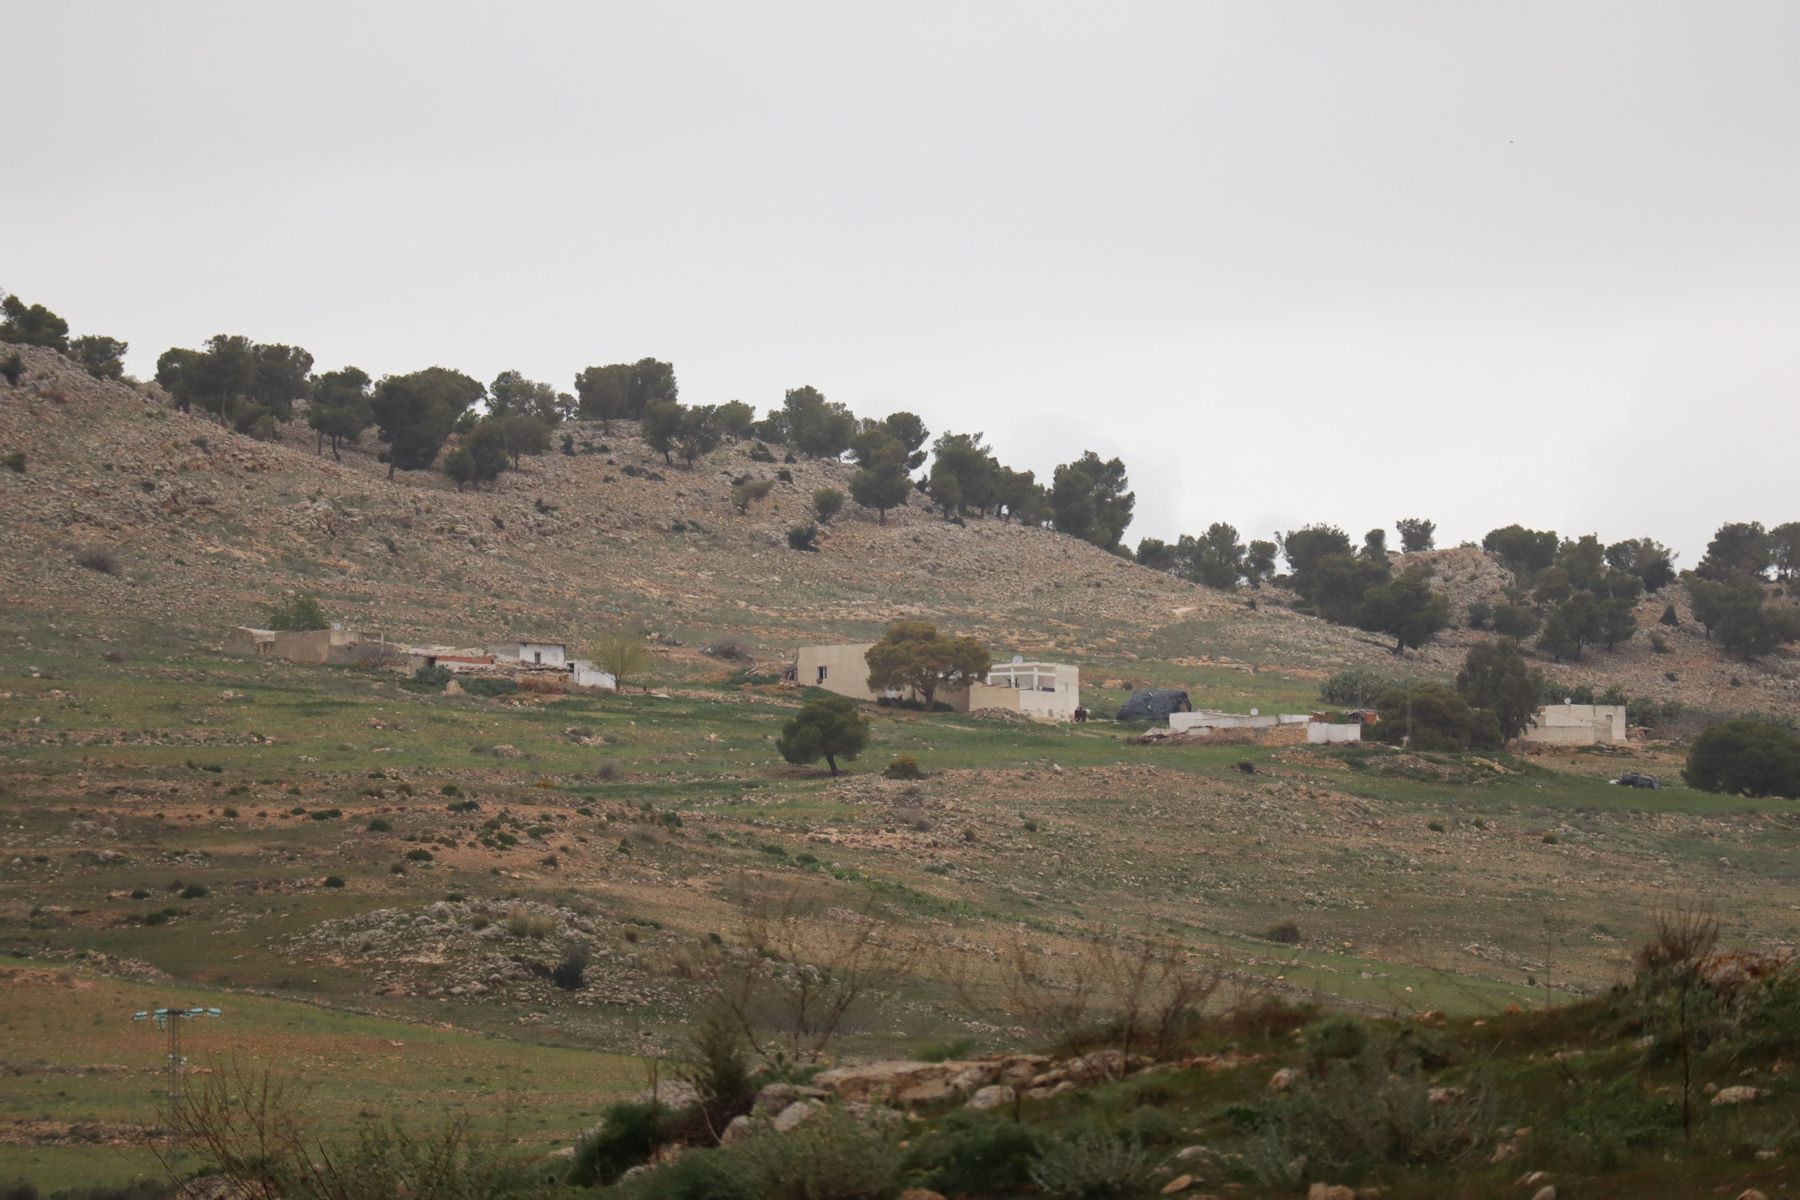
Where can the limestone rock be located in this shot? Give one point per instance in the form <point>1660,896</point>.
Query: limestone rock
<point>795,1115</point>
<point>1737,1094</point>
<point>995,1095</point>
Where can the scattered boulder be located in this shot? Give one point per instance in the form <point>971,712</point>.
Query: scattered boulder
<point>1284,1079</point>
<point>1180,1183</point>
<point>995,1095</point>
<point>1737,1094</point>
<point>795,1115</point>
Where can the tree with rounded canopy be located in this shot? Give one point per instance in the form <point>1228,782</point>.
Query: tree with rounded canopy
<point>1407,609</point>
<point>910,432</point>
<point>817,426</point>
<point>103,357</point>
<point>1651,561</point>
<point>1305,547</point>
<point>1523,551</point>
<point>1216,558</point>
<point>963,469</point>
<point>416,413</point>
<point>660,426</point>
<point>1089,500</point>
<point>652,380</point>
<point>735,418</point>
<point>827,502</point>
<point>1156,554</point>
<point>299,613</point>
<point>339,408</point>
<point>1784,547</point>
<point>1495,676</point>
<point>1739,550</point>
<point>1339,582</point>
<point>1416,534</point>
<point>32,325</point>
<point>604,394</point>
<point>1259,561</point>
<point>511,394</point>
<point>829,728</point>
<point>914,656</point>
<point>522,433</point>
<point>1432,716</point>
<point>244,384</point>
<point>1018,494</point>
<point>1374,547</point>
<point>459,465</point>
<point>698,433</point>
<point>488,452</point>
<point>1746,757</point>
<point>881,482</point>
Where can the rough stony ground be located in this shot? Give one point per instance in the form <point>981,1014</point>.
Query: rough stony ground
<point>209,526</point>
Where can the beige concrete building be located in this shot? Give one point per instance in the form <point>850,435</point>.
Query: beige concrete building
<point>1577,725</point>
<point>842,669</point>
<point>1044,691</point>
<point>340,646</point>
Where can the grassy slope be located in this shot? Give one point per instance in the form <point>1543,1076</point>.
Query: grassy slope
<point>1058,830</point>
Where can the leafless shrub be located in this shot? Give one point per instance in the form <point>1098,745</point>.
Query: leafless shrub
<point>246,1129</point>
<point>1135,995</point>
<point>799,972</point>
<point>97,558</point>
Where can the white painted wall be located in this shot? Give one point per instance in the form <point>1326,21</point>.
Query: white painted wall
<point>1319,733</point>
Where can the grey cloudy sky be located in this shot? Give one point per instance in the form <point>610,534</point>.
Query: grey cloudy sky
<point>1293,262</point>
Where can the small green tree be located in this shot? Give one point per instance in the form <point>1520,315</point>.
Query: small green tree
<point>1495,676</point>
<point>622,656</point>
<point>735,419</point>
<point>1738,550</point>
<point>104,357</point>
<point>1425,716</point>
<point>1089,500</point>
<point>459,465</point>
<point>827,503</point>
<point>416,414</point>
<point>1259,562</point>
<point>699,433</point>
<point>339,408</point>
<point>745,494</point>
<point>881,482</point>
<point>660,426</point>
<point>298,613</point>
<point>1416,534</point>
<point>830,728</point>
<point>32,325</point>
<point>1407,609</point>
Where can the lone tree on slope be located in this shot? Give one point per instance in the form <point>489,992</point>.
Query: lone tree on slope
<point>830,729</point>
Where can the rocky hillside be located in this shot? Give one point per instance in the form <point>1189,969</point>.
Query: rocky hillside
<point>206,527</point>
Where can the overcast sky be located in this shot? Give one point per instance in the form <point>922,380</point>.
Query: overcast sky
<point>1293,262</point>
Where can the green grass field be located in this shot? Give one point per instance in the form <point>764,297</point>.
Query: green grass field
<point>186,811</point>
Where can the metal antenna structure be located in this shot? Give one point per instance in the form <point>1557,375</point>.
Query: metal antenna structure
<point>170,1020</point>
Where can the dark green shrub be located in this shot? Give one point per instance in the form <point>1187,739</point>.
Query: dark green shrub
<point>298,612</point>
<point>418,856</point>
<point>802,537</point>
<point>1362,1113</point>
<point>827,503</point>
<point>334,881</point>
<point>380,825</point>
<point>975,1154</point>
<point>1746,757</point>
<point>12,369</point>
<point>15,462</point>
<point>1333,1039</point>
<point>1355,687</point>
<point>571,973</point>
<point>1092,1164</point>
<point>693,1176</point>
<point>833,1156</point>
<point>761,453</point>
<point>429,679</point>
<point>1285,933</point>
<point>194,891</point>
<point>628,1134</point>
<point>717,1064</point>
<point>489,686</point>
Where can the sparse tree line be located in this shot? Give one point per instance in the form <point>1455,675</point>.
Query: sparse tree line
<point>1570,593</point>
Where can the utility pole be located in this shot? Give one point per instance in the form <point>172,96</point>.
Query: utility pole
<point>170,1021</point>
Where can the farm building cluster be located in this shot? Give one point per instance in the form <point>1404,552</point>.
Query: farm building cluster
<point>1041,691</point>
<point>543,662</point>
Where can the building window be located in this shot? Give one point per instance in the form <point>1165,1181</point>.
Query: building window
<point>821,674</point>
<point>537,656</point>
